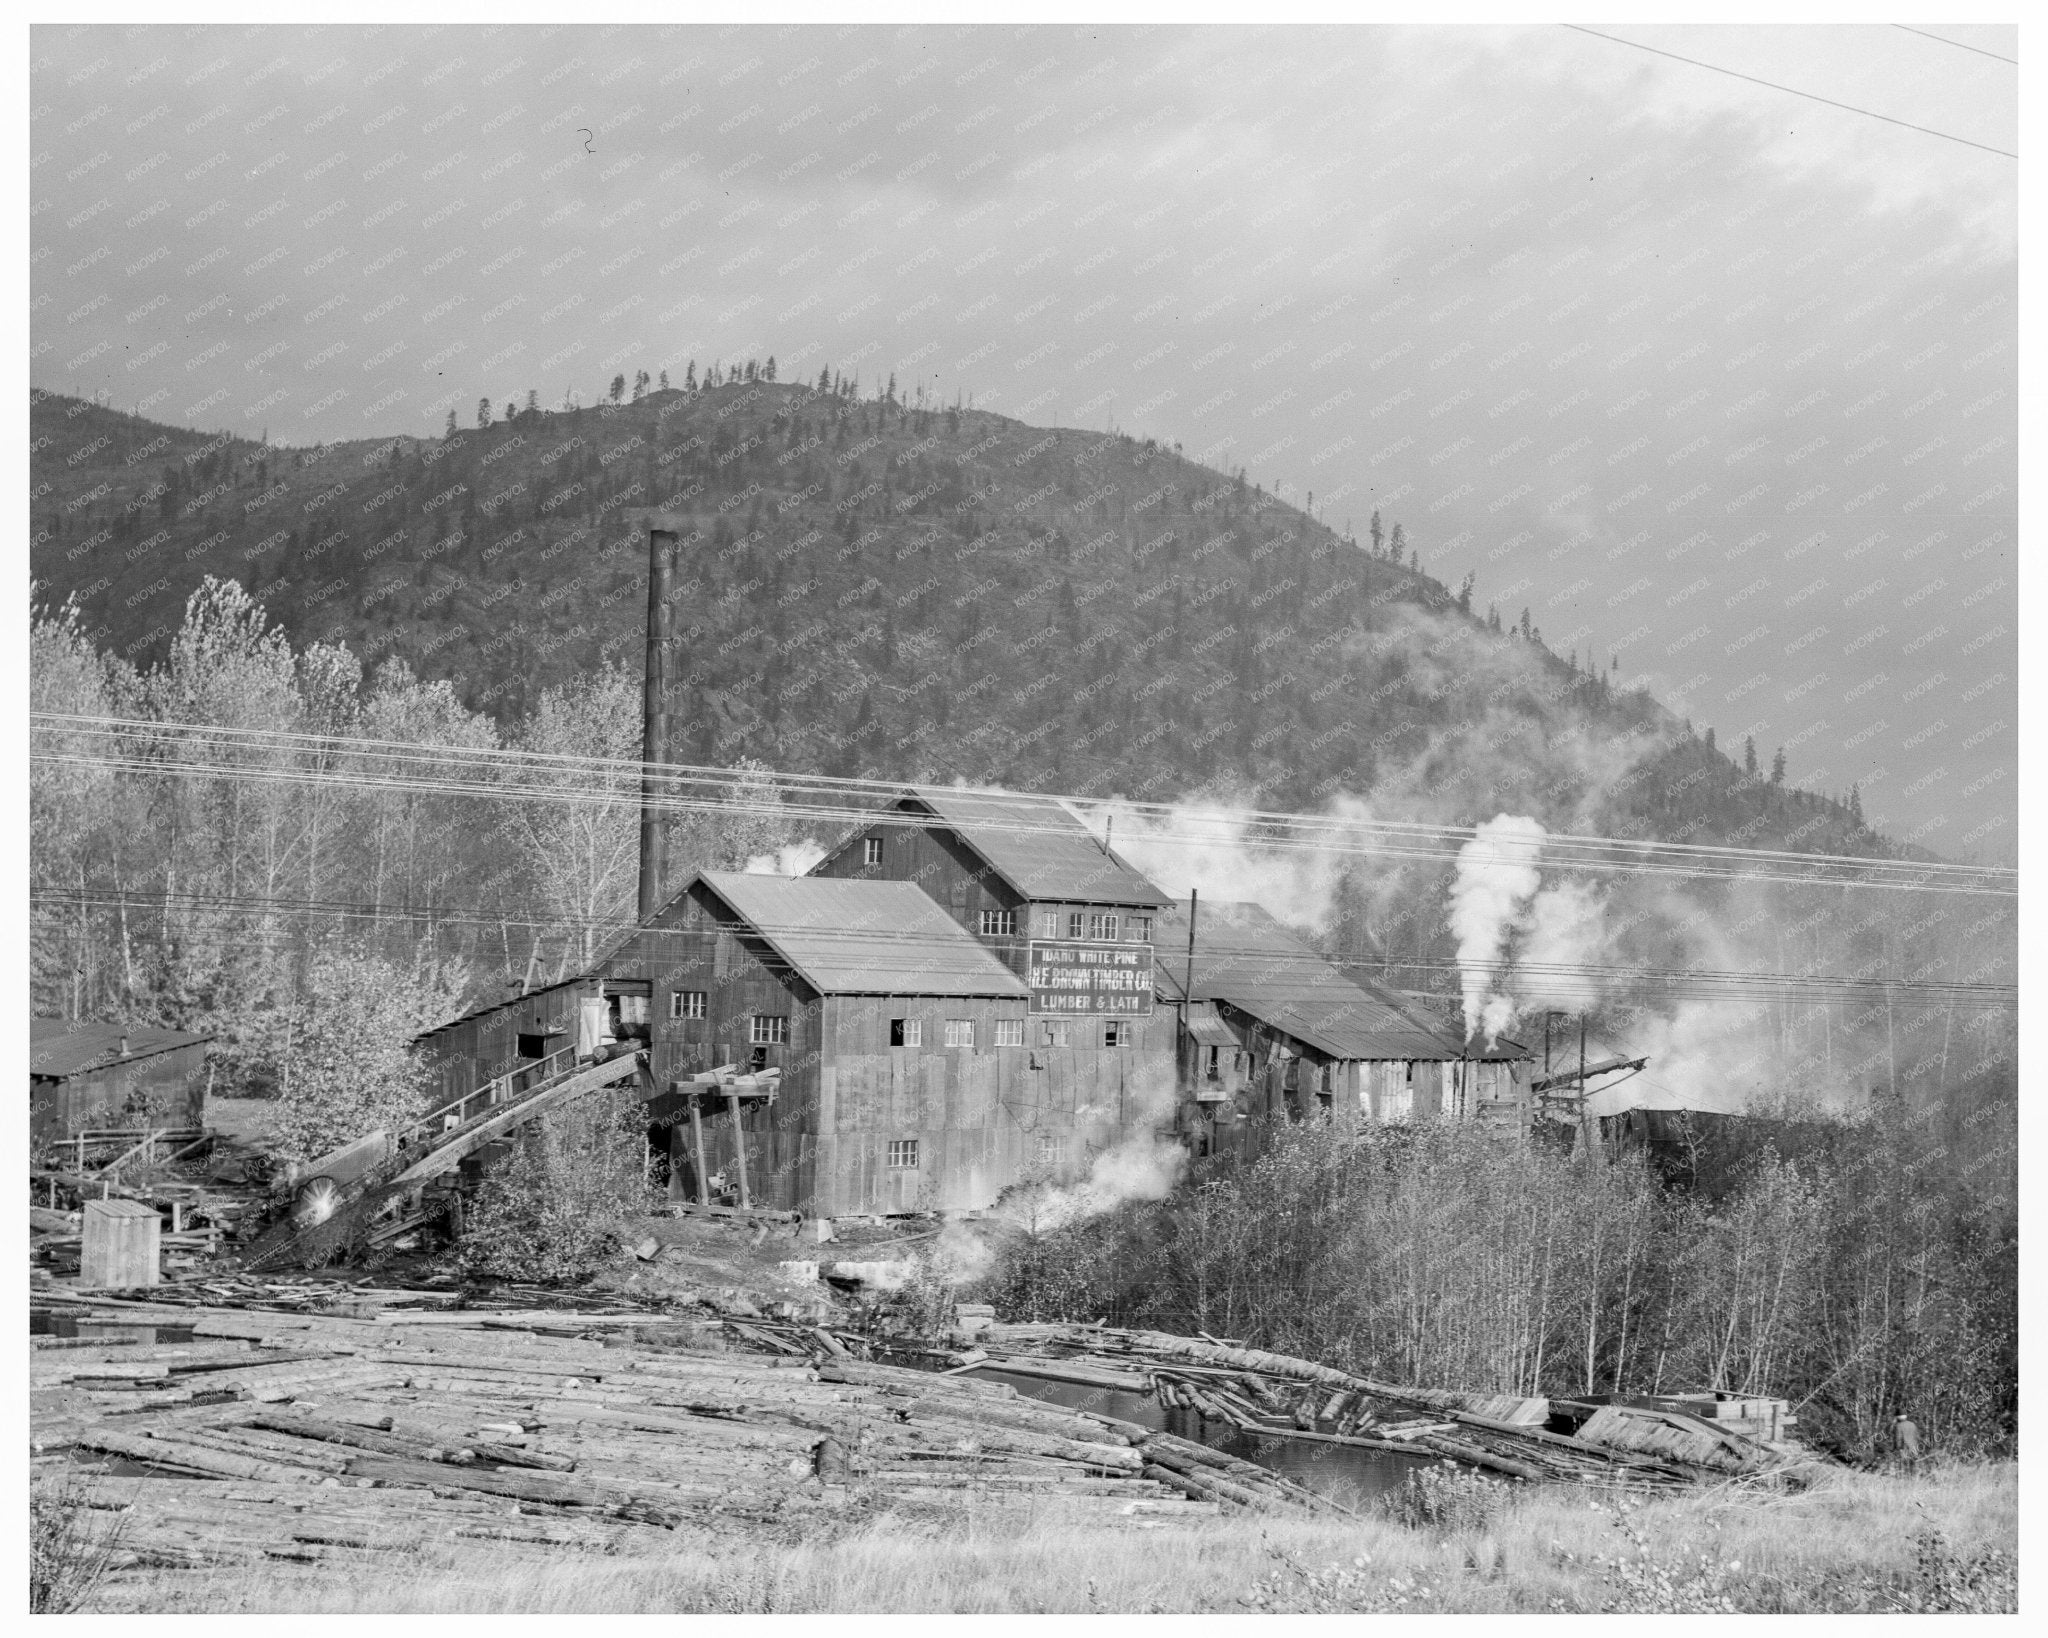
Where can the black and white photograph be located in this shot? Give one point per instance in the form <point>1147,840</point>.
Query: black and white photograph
<point>1068,813</point>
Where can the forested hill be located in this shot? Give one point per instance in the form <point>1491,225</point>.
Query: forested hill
<point>867,586</point>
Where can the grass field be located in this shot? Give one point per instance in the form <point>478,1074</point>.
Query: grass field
<point>1850,1542</point>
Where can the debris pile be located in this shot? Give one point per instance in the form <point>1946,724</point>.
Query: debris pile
<point>1278,1396</point>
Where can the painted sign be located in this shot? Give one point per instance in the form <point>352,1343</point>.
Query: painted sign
<point>1097,980</point>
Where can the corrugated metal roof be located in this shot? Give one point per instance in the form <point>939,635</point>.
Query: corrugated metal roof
<point>57,1047</point>
<point>1206,1025</point>
<point>864,937</point>
<point>1246,958</point>
<point>1037,846</point>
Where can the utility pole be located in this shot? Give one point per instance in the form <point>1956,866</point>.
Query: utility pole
<point>1585,1120</point>
<point>661,551</point>
<point>1187,994</point>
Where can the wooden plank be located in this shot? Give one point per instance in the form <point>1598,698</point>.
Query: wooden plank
<point>450,1155</point>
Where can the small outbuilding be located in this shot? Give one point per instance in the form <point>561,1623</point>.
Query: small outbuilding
<point>91,1077</point>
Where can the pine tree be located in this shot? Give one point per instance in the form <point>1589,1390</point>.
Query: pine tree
<point>690,376</point>
<point>451,422</point>
<point>768,369</point>
<point>1749,755</point>
<point>532,401</point>
<point>1396,543</point>
<point>664,382</point>
<point>1778,766</point>
<point>618,388</point>
<point>639,385</point>
<point>825,380</point>
<point>1856,806</point>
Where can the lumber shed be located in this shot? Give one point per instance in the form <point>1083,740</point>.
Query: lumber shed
<point>112,1079</point>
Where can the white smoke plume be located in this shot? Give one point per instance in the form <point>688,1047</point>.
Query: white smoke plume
<point>1141,1167</point>
<point>796,858</point>
<point>1210,849</point>
<point>1497,877</point>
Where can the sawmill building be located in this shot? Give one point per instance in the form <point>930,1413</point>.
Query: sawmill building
<point>910,1075</point>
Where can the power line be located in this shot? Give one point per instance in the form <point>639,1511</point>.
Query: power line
<point>1850,107</point>
<point>617,781</point>
<point>1958,44</point>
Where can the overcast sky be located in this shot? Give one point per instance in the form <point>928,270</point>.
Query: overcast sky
<point>1699,371</point>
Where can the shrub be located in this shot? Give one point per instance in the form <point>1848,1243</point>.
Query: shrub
<point>1447,1498</point>
<point>556,1207</point>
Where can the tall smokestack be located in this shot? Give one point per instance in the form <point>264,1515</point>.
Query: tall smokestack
<point>661,555</point>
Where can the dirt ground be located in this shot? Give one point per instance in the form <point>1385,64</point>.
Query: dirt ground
<point>769,1267</point>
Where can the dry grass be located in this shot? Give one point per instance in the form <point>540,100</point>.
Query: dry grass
<point>1840,1544</point>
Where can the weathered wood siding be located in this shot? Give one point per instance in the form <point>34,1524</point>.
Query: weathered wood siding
<point>471,1051</point>
<point>695,944</point>
<point>977,1114</point>
<point>167,1088</point>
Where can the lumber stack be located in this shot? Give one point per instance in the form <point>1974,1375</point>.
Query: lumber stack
<point>309,1436</point>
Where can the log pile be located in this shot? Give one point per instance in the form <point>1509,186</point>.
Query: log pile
<point>307,1435</point>
<point>1278,1396</point>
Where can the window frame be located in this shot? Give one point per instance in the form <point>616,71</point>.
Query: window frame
<point>997,923</point>
<point>1139,929</point>
<point>679,1008</point>
<point>1076,920</point>
<point>1116,1032</point>
<point>1009,1032</point>
<point>903,1154</point>
<point>906,1032</point>
<point>767,1029</point>
<point>871,850</point>
<point>960,1034</point>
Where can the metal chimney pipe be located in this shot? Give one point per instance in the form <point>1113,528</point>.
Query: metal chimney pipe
<point>661,554</point>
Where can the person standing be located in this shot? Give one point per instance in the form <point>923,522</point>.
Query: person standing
<point>1905,1440</point>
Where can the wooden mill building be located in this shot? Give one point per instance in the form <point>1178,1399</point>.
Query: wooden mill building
<point>911,1078</point>
<point>1274,1030</point>
<point>1008,868</point>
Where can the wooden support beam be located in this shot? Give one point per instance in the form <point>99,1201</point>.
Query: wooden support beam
<point>739,1146</point>
<point>697,1144</point>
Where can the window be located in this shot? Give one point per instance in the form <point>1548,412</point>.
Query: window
<point>768,1029</point>
<point>1055,1035</point>
<point>902,1154</point>
<point>1049,924</point>
<point>871,850</point>
<point>688,1004</point>
<point>632,1009</point>
<point>1102,926</point>
<point>998,923</point>
<point>1009,1032</point>
<point>1076,922</point>
<point>1116,1033</point>
<point>959,1032</point>
<point>1052,1149</point>
<point>906,1032</point>
<point>1141,930</point>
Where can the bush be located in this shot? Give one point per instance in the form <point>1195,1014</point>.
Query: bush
<point>72,1544</point>
<point>1447,1498</point>
<point>556,1207</point>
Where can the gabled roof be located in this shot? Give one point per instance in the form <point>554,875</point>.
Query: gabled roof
<point>864,937</point>
<point>1249,961</point>
<point>1035,845</point>
<point>57,1047</point>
